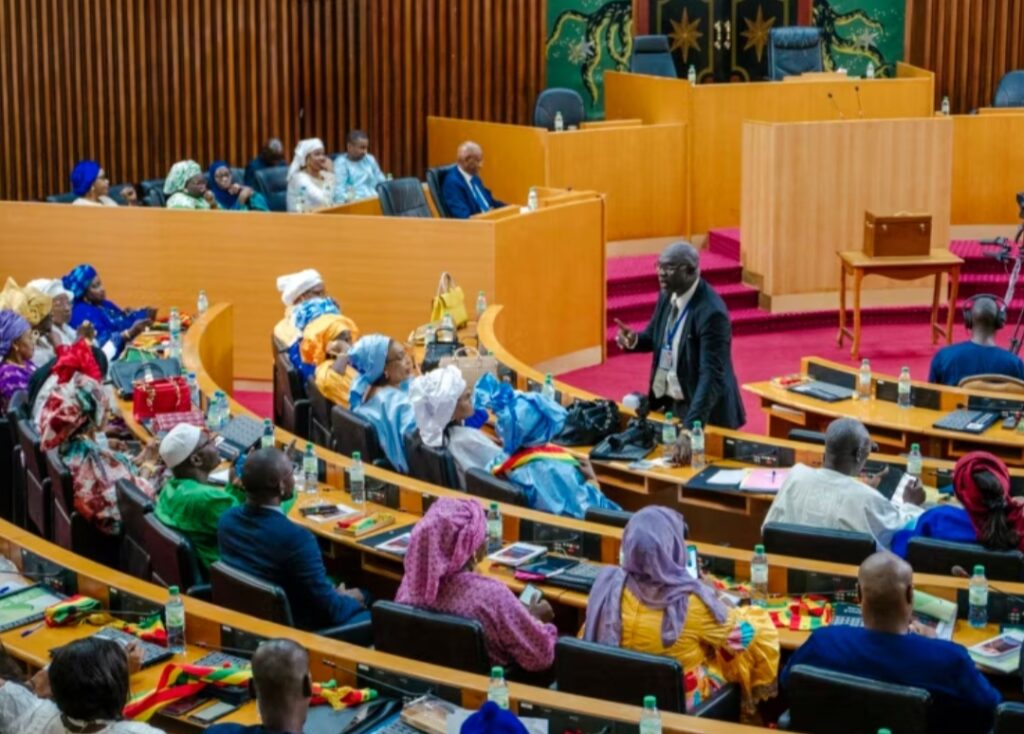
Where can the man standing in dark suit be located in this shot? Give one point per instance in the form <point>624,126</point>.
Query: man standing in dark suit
<point>690,336</point>
<point>463,191</point>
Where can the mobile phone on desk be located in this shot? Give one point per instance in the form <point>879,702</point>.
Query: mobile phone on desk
<point>531,595</point>
<point>692,563</point>
<point>183,706</point>
<point>213,712</point>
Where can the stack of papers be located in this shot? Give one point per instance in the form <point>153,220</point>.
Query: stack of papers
<point>938,614</point>
<point>750,480</point>
<point>1001,653</point>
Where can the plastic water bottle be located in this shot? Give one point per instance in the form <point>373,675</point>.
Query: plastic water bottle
<point>350,193</point>
<point>174,326</point>
<point>697,461</point>
<point>668,430</point>
<point>223,410</point>
<point>903,388</point>
<point>494,527</point>
<point>977,595</point>
<point>357,480</point>
<point>310,478</point>
<point>448,323</point>
<point>559,122</point>
<point>691,74</point>
<point>203,303</point>
<point>430,334</point>
<point>497,691</point>
<point>914,460</point>
<point>650,719</point>
<point>532,203</point>
<point>267,439</point>
<point>548,390</point>
<point>869,73</point>
<point>193,389</point>
<point>864,380</point>
<point>213,412</point>
<point>300,203</point>
<point>481,305</point>
<point>759,575</point>
<point>174,619</point>
<point>945,105</point>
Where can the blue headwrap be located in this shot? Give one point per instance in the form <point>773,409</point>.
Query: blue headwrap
<point>83,176</point>
<point>12,326</point>
<point>492,719</point>
<point>79,280</point>
<point>367,357</point>
<point>314,308</point>
<point>225,199</point>
<point>523,418</point>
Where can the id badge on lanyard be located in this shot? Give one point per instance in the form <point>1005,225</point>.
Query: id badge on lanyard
<point>665,357</point>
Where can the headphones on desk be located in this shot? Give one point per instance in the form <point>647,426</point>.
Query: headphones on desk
<point>1000,310</point>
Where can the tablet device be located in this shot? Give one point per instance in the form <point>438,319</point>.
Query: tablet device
<point>26,605</point>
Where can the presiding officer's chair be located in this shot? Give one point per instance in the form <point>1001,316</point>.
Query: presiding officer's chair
<point>558,99</point>
<point>626,676</point>
<point>273,184</point>
<point>1010,92</point>
<point>244,593</point>
<point>435,182</point>
<point>430,637</point>
<point>794,50</point>
<point>826,702</point>
<point>652,57</point>
<point>403,197</point>
<point>930,555</point>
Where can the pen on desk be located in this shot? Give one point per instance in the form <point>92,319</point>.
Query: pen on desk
<point>30,630</point>
<point>4,589</point>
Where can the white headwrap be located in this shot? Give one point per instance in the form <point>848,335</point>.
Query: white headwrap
<point>51,288</point>
<point>302,150</point>
<point>294,285</point>
<point>434,397</point>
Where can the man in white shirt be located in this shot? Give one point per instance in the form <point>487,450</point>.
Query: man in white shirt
<point>832,497</point>
<point>356,173</point>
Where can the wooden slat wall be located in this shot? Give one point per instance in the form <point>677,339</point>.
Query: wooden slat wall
<point>969,44</point>
<point>139,84</point>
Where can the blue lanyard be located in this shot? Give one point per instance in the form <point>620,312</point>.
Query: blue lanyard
<point>671,335</point>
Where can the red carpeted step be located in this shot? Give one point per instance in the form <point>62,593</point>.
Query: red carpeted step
<point>725,241</point>
<point>630,306</point>
<point>636,274</point>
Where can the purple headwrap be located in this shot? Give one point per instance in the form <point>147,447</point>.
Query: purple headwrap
<point>654,570</point>
<point>12,326</point>
<point>83,176</point>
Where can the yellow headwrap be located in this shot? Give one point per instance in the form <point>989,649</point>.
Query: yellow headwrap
<point>32,305</point>
<point>320,332</point>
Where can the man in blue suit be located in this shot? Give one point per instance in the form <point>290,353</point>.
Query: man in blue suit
<point>260,540</point>
<point>463,191</point>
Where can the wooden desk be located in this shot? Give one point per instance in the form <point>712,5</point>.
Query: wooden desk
<point>860,265</point>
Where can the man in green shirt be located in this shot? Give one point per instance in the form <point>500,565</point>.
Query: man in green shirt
<point>188,502</point>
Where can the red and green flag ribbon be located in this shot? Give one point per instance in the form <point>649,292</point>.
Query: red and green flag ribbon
<point>81,609</point>
<point>803,613</point>
<point>547,452</point>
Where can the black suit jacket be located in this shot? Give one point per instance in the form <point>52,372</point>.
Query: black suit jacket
<point>705,371</point>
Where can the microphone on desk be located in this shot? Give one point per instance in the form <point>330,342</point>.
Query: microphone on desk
<point>832,99</point>
<point>860,108</point>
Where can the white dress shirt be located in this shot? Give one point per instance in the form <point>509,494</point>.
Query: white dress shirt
<point>667,382</point>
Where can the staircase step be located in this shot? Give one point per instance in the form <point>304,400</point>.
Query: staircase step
<point>725,241</point>
<point>635,274</point>
<point>630,306</point>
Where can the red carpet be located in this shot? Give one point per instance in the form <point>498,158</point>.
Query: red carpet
<point>259,402</point>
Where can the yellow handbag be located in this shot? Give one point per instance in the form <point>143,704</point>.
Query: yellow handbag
<point>450,300</point>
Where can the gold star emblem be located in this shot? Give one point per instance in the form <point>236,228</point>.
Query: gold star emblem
<point>757,32</point>
<point>685,35</point>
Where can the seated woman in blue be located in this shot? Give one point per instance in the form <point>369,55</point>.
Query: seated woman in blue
<point>302,316</point>
<point>988,514</point>
<point>114,326</point>
<point>381,393</point>
<point>230,194</point>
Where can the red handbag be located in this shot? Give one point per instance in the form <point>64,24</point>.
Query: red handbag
<point>154,397</point>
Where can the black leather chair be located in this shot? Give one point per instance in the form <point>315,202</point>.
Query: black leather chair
<point>794,50</point>
<point>651,56</point>
<point>626,676</point>
<point>133,504</point>
<point>558,99</point>
<point>351,433</point>
<point>615,518</point>
<point>820,544</point>
<point>826,702</point>
<point>117,193</point>
<point>928,555</point>
<point>802,434</point>
<point>12,479</point>
<point>481,483</point>
<point>431,464</point>
<point>1009,718</point>
<point>403,197</point>
<point>291,407</point>
<point>244,593</point>
<point>152,193</point>
<point>70,529</point>
<point>435,182</point>
<point>1010,92</point>
<point>273,184</point>
<point>173,557</point>
<point>430,637</point>
<point>65,198</point>
<point>38,496</point>
<point>319,416</point>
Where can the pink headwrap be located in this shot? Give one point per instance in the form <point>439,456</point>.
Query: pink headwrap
<point>441,545</point>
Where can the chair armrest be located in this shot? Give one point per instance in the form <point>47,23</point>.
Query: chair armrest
<point>359,633</point>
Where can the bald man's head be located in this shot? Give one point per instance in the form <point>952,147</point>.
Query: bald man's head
<point>280,674</point>
<point>471,158</point>
<point>847,445</point>
<point>678,267</point>
<point>267,476</point>
<point>984,317</point>
<point>886,592</point>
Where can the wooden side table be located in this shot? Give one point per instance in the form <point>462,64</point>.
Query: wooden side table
<point>860,265</point>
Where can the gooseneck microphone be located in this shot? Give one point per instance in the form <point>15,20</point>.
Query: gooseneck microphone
<point>832,99</point>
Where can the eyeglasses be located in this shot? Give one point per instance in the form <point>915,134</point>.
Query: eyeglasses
<point>669,269</point>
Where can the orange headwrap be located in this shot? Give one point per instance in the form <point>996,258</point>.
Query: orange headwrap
<point>320,332</point>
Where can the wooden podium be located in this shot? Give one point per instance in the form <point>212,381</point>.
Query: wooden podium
<point>807,186</point>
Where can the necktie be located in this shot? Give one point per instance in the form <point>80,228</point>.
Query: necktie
<point>481,199</point>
